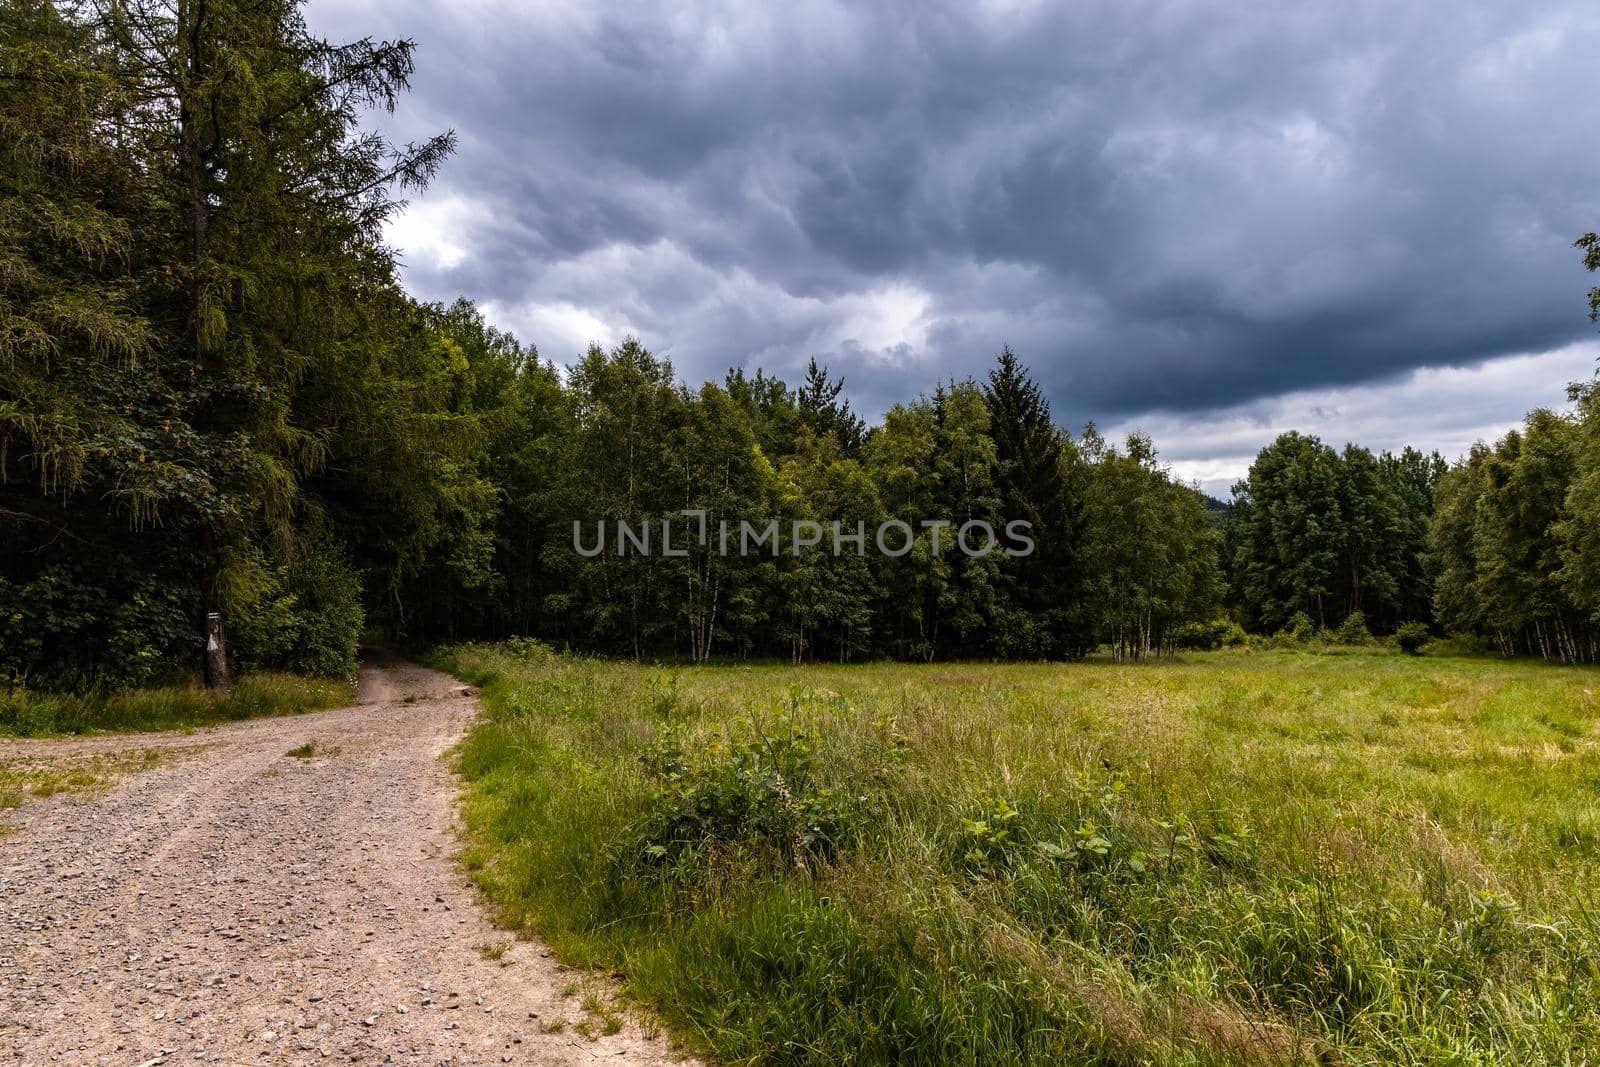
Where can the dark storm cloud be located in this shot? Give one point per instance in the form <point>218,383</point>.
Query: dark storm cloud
<point>1159,205</point>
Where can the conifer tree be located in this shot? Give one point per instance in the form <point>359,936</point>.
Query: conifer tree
<point>819,403</point>
<point>249,125</point>
<point>1033,459</point>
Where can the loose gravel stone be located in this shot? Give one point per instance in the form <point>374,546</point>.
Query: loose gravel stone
<point>248,907</point>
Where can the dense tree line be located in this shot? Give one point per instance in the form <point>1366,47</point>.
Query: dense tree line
<point>1120,552</point>
<point>1516,537</point>
<point>229,439</point>
<point>1330,534</point>
<point>1503,545</point>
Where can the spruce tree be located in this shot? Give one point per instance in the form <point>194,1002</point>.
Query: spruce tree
<point>274,198</point>
<point>819,403</point>
<point>1032,462</point>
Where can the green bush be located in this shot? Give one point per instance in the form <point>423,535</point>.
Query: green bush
<point>113,624</point>
<point>1209,636</point>
<point>331,618</point>
<point>1411,637</point>
<point>1018,637</point>
<point>1353,631</point>
<point>1459,643</point>
<point>1300,628</point>
<point>526,650</point>
<point>764,791</point>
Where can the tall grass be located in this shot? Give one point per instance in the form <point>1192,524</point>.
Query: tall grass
<point>1240,858</point>
<point>34,713</point>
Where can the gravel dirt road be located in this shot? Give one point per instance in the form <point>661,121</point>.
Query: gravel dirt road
<point>241,905</point>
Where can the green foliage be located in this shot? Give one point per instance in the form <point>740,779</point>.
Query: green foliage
<point>75,394</point>
<point>1039,479</point>
<point>1149,550</point>
<point>623,440</point>
<point>1411,637</point>
<point>1514,547</point>
<point>826,415</point>
<point>525,649</point>
<point>305,617</point>
<point>80,621</point>
<point>763,792</point>
<point>1000,843</point>
<point>211,385</point>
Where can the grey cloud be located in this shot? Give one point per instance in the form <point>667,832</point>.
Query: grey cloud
<point>1447,409</point>
<point>1160,205</point>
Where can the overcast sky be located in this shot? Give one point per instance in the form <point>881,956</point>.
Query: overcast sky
<point>1214,222</point>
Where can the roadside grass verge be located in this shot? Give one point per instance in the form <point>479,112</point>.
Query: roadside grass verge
<point>35,713</point>
<point>1243,857</point>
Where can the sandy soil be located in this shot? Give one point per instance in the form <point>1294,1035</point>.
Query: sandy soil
<point>239,905</point>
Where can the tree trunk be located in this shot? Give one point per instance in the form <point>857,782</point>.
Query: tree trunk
<point>197,225</point>
<point>216,646</point>
<point>216,654</point>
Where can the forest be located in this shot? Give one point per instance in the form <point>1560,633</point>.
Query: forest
<point>231,441</point>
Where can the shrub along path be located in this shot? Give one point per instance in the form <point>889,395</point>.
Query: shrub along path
<point>278,890</point>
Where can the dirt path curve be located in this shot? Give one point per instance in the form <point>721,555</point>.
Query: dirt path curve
<point>243,906</point>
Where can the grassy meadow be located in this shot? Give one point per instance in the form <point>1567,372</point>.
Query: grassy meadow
<point>1241,857</point>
